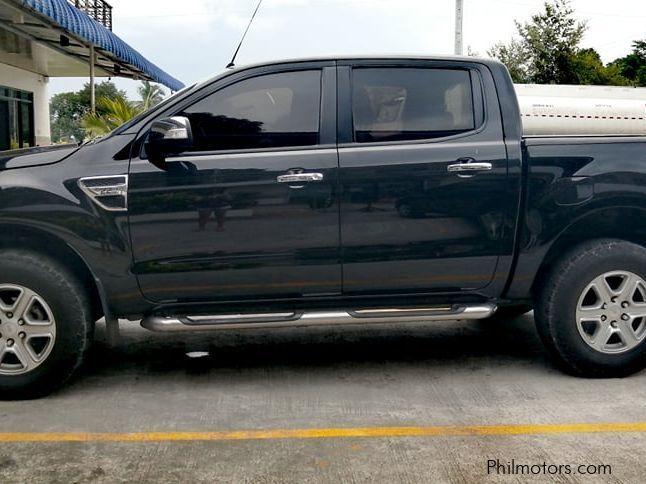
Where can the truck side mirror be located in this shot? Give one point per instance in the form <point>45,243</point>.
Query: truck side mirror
<point>168,136</point>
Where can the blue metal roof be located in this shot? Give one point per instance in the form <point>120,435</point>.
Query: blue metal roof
<point>88,29</point>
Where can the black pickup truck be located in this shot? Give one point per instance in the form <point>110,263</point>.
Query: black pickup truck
<point>322,192</point>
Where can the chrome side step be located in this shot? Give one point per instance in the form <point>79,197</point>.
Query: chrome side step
<point>315,318</point>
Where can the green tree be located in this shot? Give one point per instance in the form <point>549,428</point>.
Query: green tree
<point>588,68</point>
<point>547,51</point>
<point>151,95</point>
<point>515,57</point>
<point>110,114</point>
<point>633,66</point>
<point>551,40</point>
<point>67,110</point>
<point>545,46</point>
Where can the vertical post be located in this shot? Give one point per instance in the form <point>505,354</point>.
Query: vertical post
<point>92,93</point>
<point>458,26</point>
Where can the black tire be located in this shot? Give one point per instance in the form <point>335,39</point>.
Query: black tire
<point>509,312</point>
<point>556,303</point>
<point>405,210</point>
<point>74,326</point>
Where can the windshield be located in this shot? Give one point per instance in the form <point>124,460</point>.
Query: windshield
<point>161,105</point>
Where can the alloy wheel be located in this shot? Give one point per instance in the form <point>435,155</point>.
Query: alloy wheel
<point>27,330</point>
<point>611,312</point>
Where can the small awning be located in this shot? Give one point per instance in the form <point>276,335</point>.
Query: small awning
<point>87,30</point>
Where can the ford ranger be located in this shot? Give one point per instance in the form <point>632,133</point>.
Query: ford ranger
<point>322,192</point>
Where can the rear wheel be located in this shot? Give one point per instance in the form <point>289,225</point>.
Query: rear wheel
<point>405,210</point>
<point>591,310</point>
<point>45,325</point>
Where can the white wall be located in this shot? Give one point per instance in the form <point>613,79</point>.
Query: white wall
<point>37,84</point>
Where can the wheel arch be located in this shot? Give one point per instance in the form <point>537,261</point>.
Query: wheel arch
<point>621,223</point>
<point>21,237</point>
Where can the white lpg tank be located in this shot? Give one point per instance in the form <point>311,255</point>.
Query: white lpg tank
<point>582,110</point>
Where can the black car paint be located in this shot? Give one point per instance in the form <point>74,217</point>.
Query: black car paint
<point>455,247</point>
<point>594,186</point>
<point>28,157</point>
<point>545,187</point>
<point>277,241</point>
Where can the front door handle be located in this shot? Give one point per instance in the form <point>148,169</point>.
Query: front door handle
<point>469,167</point>
<point>299,178</point>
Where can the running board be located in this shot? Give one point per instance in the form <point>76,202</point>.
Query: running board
<point>315,318</point>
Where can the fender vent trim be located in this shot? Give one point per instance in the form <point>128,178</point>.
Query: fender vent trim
<point>108,192</point>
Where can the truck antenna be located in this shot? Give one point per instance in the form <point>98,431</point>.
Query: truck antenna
<point>231,64</point>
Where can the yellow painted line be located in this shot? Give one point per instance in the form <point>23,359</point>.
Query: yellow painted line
<point>328,433</point>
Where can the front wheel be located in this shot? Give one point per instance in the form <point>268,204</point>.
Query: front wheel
<point>591,310</point>
<point>509,312</point>
<point>45,325</point>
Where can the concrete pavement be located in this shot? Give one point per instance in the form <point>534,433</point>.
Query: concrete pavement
<point>440,374</point>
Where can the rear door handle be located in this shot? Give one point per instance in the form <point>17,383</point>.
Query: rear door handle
<point>300,178</point>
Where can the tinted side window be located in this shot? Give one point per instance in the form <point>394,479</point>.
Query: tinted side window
<point>391,104</point>
<point>262,112</point>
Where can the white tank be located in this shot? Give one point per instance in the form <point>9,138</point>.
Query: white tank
<point>582,110</point>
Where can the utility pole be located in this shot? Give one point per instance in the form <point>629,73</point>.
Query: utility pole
<point>458,26</point>
<point>92,86</point>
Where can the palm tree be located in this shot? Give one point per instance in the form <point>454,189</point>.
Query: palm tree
<point>111,113</point>
<point>151,95</point>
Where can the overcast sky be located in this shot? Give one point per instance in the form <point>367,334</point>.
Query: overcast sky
<point>194,39</point>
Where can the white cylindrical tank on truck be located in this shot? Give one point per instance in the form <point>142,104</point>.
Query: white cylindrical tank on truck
<point>577,110</point>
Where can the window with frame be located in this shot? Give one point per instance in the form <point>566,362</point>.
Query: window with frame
<point>268,111</point>
<point>16,119</point>
<point>396,104</point>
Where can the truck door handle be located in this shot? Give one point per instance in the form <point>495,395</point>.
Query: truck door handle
<point>299,177</point>
<point>468,166</point>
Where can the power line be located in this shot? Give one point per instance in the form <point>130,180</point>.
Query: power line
<point>576,11</point>
<point>506,2</point>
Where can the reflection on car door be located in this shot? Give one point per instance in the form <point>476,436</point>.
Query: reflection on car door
<point>237,216</point>
<point>416,214</point>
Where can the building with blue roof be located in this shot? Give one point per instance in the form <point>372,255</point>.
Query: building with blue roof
<point>40,39</point>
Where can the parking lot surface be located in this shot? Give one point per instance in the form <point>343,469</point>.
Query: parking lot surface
<point>388,403</point>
